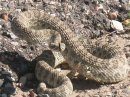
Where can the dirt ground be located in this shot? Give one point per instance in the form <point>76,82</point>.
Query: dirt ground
<point>91,18</point>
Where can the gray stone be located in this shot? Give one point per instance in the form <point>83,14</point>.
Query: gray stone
<point>97,32</point>
<point>11,5</point>
<point>10,34</point>
<point>6,73</point>
<point>9,88</point>
<point>7,25</point>
<point>1,22</point>
<point>4,4</point>
<point>20,2</point>
<point>1,82</point>
<point>3,95</point>
<point>23,80</point>
<point>0,26</point>
<point>123,1</point>
<point>96,96</point>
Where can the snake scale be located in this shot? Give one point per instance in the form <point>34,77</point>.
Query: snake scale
<point>103,63</point>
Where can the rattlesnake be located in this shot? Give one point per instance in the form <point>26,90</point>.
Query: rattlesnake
<point>92,61</point>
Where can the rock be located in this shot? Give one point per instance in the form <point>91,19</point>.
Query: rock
<point>52,2</point>
<point>83,8</point>
<point>109,94</point>
<point>9,88</point>
<point>112,15</point>
<point>15,43</point>
<point>1,22</point>
<point>123,1</point>
<point>30,1</point>
<point>43,95</point>
<point>126,22</point>
<point>97,33</point>
<point>9,34</point>
<point>6,73</point>
<point>4,16</point>
<point>11,5</point>
<point>24,9</point>
<point>58,69</point>
<point>1,82</point>
<point>99,7</point>
<point>127,90</point>
<point>13,36</point>
<point>4,4</point>
<point>7,25</point>
<point>23,80</point>
<point>18,10</point>
<point>32,94</point>
<point>0,26</point>
<point>117,25</point>
<point>3,95</point>
<point>20,2</point>
<point>96,96</point>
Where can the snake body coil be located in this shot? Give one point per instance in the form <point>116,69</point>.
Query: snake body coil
<point>93,65</point>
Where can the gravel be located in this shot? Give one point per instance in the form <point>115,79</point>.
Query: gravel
<point>87,17</point>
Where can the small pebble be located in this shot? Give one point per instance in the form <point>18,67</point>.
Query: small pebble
<point>96,96</point>
<point>52,2</point>
<point>43,95</point>
<point>10,35</point>
<point>109,94</point>
<point>1,22</point>
<point>13,36</point>
<point>112,15</point>
<point>18,10</point>
<point>15,43</point>
<point>4,16</point>
<point>98,7</point>
<point>126,22</point>
<point>117,25</point>
<point>7,25</point>
<point>0,26</point>
<point>4,4</point>
<point>11,5</point>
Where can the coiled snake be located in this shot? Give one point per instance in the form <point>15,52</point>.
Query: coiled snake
<point>93,63</point>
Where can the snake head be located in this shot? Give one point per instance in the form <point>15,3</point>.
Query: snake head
<point>58,47</point>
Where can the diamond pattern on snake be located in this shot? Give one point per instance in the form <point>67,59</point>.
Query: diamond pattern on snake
<point>104,63</point>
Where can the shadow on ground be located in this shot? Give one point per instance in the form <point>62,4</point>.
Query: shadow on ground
<point>16,62</point>
<point>22,66</point>
<point>80,84</point>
